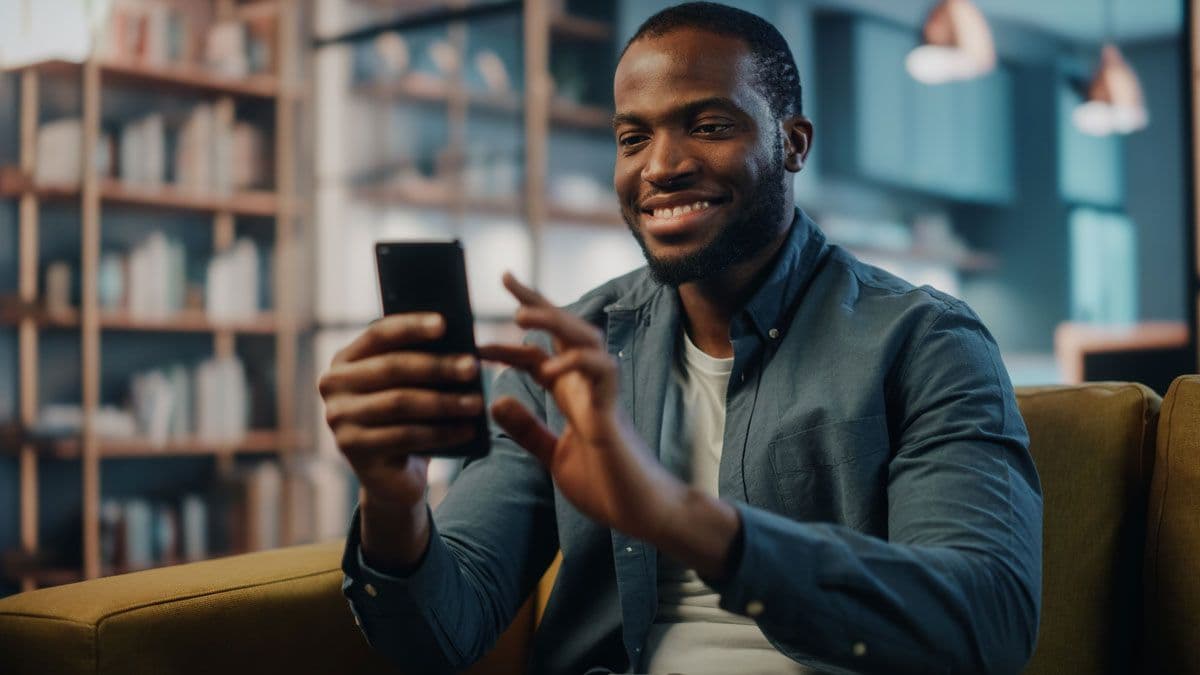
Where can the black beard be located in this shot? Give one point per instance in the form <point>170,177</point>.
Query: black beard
<point>740,239</point>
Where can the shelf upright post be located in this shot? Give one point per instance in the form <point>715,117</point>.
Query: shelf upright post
<point>537,123</point>
<point>27,334</point>
<point>90,319</point>
<point>285,256</point>
<point>456,111</point>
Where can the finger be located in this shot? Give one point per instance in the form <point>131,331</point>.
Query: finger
<point>365,444</point>
<point>528,431</point>
<point>524,294</point>
<point>522,357</point>
<point>567,328</point>
<point>398,369</point>
<point>392,332</point>
<point>401,405</point>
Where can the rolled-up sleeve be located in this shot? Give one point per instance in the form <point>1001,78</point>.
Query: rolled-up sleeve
<point>956,585</point>
<point>492,538</point>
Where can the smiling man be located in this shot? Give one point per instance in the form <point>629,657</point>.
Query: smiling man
<point>756,455</point>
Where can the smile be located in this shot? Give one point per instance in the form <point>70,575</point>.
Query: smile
<point>679,219</point>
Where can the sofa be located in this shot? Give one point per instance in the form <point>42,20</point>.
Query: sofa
<point>1120,469</point>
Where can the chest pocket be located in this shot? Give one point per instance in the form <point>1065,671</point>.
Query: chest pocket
<point>835,472</point>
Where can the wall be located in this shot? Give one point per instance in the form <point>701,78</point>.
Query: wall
<point>1155,181</point>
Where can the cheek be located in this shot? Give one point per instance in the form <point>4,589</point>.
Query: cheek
<point>625,177</point>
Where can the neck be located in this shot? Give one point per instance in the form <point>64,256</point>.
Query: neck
<point>710,304</point>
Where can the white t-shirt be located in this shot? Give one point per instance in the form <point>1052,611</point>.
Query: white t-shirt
<point>691,633</point>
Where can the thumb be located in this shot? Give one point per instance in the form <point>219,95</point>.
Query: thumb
<point>528,431</point>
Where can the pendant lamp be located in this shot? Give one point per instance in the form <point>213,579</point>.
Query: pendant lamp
<point>957,45</point>
<point>1114,103</point>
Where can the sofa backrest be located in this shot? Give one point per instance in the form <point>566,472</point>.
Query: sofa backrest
<point>1094,449</point>
<point>1173,536</point>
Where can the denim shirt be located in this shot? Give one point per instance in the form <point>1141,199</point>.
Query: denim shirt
<point>890,510</point>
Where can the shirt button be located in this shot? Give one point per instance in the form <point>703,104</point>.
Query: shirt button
<point>859,649</point>
<point>629,549</point>
<point>754,608</point>
<point>773,333</point>
<point>370,590</point>
<point>621,354</point>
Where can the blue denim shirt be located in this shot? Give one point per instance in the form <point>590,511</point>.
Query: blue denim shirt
<point>891,513</point>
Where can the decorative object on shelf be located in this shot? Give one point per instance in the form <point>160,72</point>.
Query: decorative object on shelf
<point>58,288</point>
<point>492,71</point>
<point>392,51</point>
<point>1114,103</point>
<point>956,45</point>
<point>232,291</point>
<point>444,57</point>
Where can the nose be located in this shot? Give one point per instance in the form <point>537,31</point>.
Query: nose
<point>668,164</point>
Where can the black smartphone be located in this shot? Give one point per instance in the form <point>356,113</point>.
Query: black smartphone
<point>431,276</point>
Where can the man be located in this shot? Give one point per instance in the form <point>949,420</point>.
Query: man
<point>756,455</point>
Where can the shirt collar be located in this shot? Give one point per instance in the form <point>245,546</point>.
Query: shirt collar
<point>790,274</point>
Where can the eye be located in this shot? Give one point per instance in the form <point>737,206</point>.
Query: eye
<point>713,128</point>
<point>630,140</point>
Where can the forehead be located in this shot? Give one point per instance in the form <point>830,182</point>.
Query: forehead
<point>686,63</point>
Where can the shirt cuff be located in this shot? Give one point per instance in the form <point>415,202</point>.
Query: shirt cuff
<point>753,585</point>
<point>377,593</point>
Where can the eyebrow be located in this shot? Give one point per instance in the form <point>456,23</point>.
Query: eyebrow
<point>687,110</point>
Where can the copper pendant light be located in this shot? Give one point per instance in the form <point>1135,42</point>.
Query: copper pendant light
<point>957,45</point>
<point>1114,103</point>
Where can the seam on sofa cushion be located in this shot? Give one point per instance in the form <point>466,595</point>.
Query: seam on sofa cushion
<point>1163,464</point>
<point>219,591</point>
<point>44,617</point>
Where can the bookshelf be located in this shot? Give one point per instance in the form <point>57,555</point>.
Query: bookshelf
<point>271,97</point>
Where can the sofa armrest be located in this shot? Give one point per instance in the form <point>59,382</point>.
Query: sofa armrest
<point>1173,536</point>
<point>278,611</point>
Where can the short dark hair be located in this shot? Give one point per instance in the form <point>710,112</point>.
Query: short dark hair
<point>778,77</point>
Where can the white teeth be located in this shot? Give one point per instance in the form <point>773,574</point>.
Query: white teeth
<point>680,211</point>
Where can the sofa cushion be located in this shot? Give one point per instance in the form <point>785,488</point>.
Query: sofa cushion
<point>1173,537</point>
<point>277,611</point>
<point>1093,445</point>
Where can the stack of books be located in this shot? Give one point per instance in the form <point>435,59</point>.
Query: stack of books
<point>174,33</point>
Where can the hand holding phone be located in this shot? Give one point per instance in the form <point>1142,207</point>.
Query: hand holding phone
<point>431,277</point>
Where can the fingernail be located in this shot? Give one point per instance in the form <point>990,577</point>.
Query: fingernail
<point>470,403</point>
<point>431,321</point>
<point>465,365</point>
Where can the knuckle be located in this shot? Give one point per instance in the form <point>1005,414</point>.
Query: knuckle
<point>346,438</point>
<point>333,413</point>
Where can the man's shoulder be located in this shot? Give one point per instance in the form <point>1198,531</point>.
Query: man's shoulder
<point>632,287</point>
<point>887,302</point>
<point>886,291</point>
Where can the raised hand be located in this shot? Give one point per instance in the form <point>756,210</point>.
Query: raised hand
<point>599,462</point>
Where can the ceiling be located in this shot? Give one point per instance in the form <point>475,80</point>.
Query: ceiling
<point>1083,20</point>
<point>1072,20</point>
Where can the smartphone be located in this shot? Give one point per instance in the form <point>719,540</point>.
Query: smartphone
<point>431,276</point>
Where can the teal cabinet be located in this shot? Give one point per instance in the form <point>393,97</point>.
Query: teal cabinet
<point>951,140</point>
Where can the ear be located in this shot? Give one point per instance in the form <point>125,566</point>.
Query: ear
<point>797,140</point>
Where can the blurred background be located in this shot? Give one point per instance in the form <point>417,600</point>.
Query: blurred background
<point>190,191</point>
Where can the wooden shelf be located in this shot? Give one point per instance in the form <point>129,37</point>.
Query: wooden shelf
<point>439,198</point>
<point>967,262</point>
<point>178,78</point>
<point>581,28</point>
<point>14,183</point>
<point>12,311</point>
<point>431,90</point>
<point>45,575</point>
<point>609,217</point>
<point>254,442</point>
<point>579,116</point>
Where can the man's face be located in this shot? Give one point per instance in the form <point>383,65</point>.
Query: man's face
<point>700,169</point>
